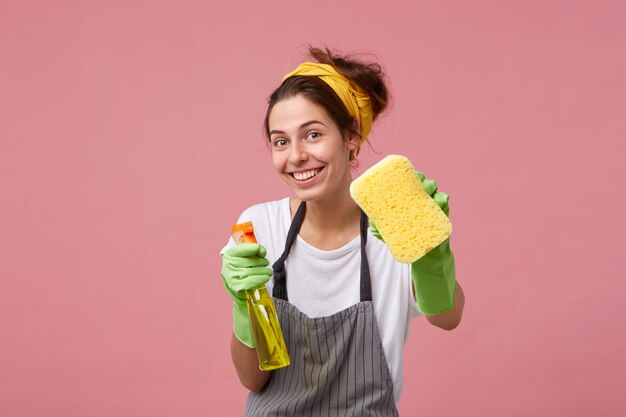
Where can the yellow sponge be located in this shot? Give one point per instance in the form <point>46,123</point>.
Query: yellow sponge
<point>408,219</point>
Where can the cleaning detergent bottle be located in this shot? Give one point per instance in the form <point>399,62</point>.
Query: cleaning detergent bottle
<point>268,336</point>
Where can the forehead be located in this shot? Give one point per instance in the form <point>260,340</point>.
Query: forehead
<point>290,113</point>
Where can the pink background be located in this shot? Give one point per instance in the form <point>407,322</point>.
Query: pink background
<point>131,139</point>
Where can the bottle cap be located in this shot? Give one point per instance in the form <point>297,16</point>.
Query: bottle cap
<point>243,233</point>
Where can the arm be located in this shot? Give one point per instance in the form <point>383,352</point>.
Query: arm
<point>439,297</point>
<point>244,267</point>
<point>450,319</point>
<point>247,366</point>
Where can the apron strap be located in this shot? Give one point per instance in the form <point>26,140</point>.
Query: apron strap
<point>366,284</point>
<point>280,274</point>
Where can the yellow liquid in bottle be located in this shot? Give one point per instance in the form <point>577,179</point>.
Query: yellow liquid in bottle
<point>268,337</point>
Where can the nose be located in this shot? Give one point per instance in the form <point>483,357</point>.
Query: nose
<point>298,153</point>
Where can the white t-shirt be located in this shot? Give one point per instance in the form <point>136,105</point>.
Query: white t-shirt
<point>321,283</point>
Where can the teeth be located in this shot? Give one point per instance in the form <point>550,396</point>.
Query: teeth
<point>301,176</point>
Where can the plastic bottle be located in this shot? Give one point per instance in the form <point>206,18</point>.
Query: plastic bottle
<point>268,336</point>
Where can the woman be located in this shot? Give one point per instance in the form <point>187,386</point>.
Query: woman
<point>344,303</point>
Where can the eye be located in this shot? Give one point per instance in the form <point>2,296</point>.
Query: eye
<point>314,135</point>
<point>280,143</point>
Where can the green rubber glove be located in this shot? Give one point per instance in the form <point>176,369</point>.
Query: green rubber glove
<point>434,277</point>
<point>244,267</point>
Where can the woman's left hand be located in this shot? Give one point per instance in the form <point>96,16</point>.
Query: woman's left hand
<point>441,198</point>
<point>430,186</point>
<point>433,275</point>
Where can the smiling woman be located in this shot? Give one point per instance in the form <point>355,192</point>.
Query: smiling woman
<point>308,150</point>
<point>345,296</point>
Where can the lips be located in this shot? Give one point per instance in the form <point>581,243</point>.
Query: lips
<point>305,175</point>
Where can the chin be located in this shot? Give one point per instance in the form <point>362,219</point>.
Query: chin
<point>308,197</point>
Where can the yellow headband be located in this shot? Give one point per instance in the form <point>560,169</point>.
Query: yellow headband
<point>357,103</point>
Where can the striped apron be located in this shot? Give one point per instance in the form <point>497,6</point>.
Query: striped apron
<point>338,365</point>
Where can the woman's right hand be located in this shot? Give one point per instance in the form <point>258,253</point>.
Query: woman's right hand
<point>244,267</point>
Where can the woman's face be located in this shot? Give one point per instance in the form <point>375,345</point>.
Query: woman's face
<point>308,150</point>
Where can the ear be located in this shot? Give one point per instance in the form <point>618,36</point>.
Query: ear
<point>352,141</point>
<point>352,145</point>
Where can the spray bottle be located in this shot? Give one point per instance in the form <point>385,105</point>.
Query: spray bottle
<point>268,336</point>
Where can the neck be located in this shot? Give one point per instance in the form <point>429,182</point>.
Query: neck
<point>332,221</point>
<point>340,214</point>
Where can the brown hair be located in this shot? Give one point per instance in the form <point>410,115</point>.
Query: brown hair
<point>367,76</point>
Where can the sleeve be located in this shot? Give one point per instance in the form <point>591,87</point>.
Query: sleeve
<point>244,217</point>
<point>413,310</point>
<point>229,244</point>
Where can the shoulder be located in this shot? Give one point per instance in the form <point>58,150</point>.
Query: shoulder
<point>262,211</point>
<point>271,222</point>
<point>268,220</point>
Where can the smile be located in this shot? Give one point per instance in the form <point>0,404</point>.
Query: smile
<point>303,176</point>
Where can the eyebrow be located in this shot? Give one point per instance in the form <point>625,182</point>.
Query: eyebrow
<point>302,126</point>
